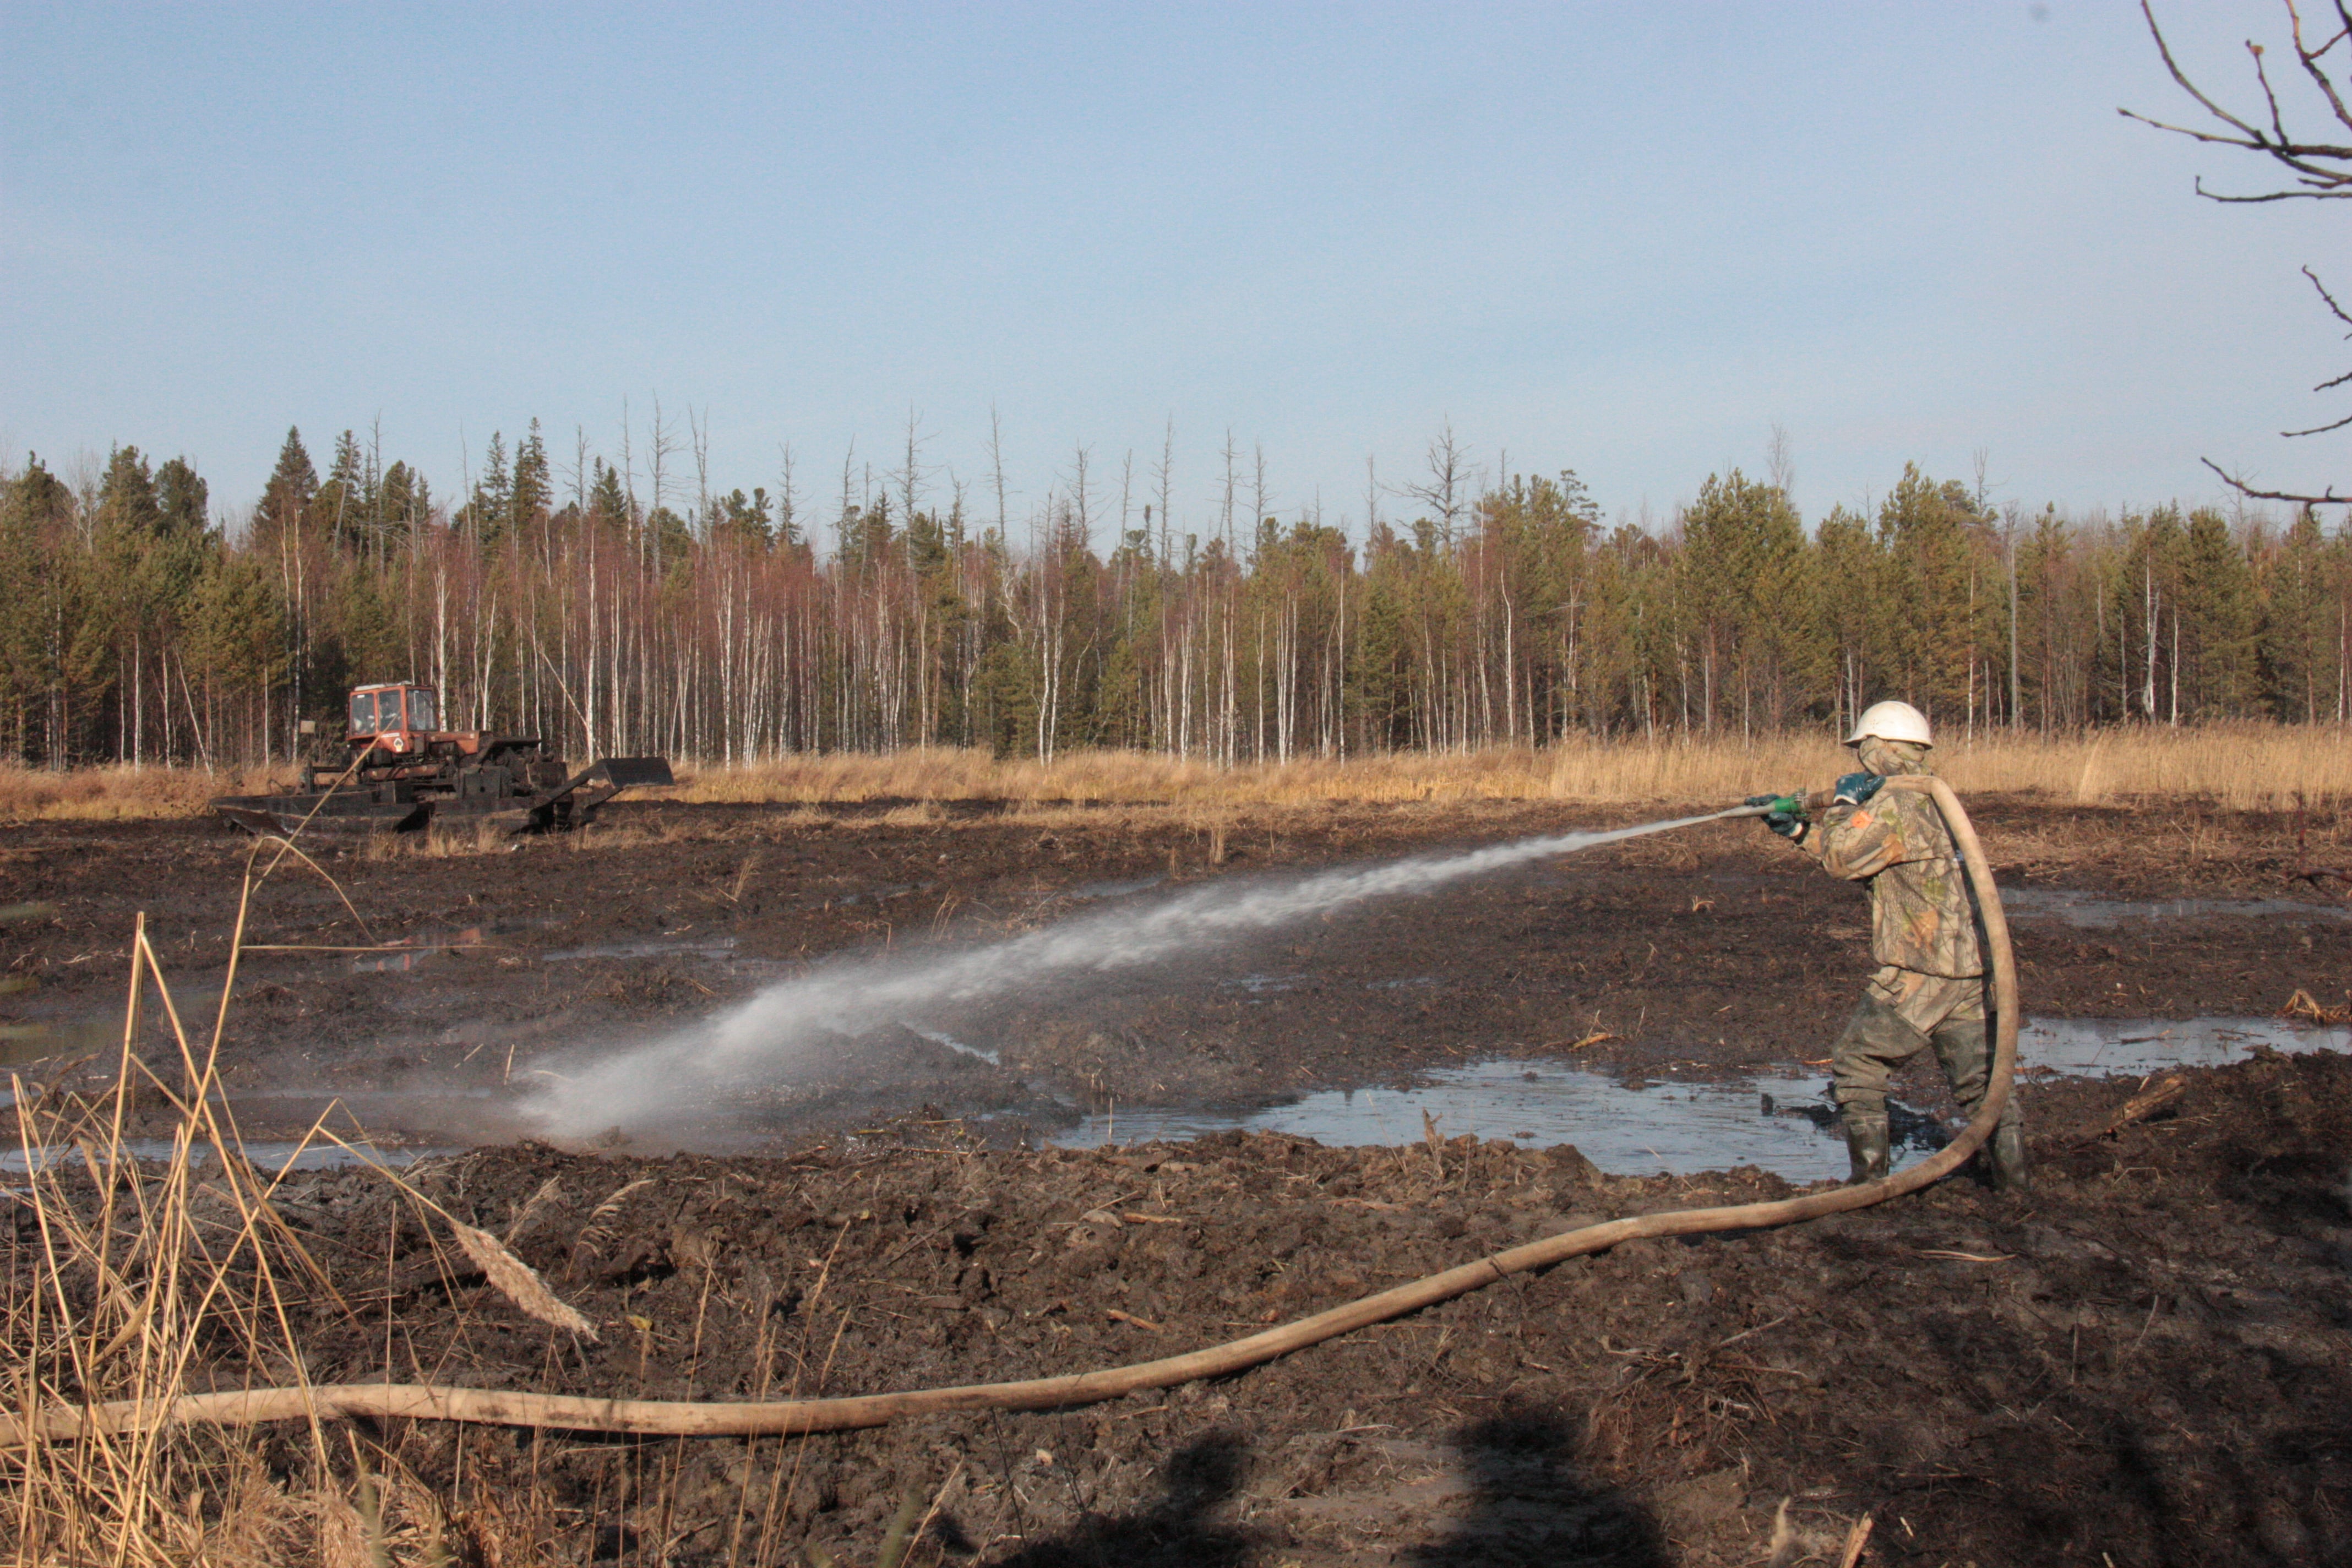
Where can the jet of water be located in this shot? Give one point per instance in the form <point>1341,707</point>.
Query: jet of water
<point>762,1039</point>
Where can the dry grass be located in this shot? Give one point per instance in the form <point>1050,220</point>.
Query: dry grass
<point>458,840</point>
<point>2242,766</point>
<point>119,793</point>
<point>2238,766</point>
<point>136,1278</point>
<point>146,1278</point>
<point>133,1278</point>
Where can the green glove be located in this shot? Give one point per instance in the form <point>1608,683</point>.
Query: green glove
<point>1784,814</point>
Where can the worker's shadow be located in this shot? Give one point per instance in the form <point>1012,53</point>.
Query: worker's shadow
<point>1526,1503</point>
<point>1530,1502</point>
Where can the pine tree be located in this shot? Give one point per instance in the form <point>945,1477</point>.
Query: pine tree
<point>1744,552</point>
<point>1925,530</point>
<point>37,564</point>
<point>1852,618</point>
<point>608,504</point>
<point>404,500</point>
<point>488,511</point>
<point>182,497</point>
<point>533,486</point>
<point>2056,629</point>
<point>126,496</point>
<point>286,498</point>
<point>2215,595</point>
<point>743,520</point>
<point>342,505</point>
<point>2296,651</point>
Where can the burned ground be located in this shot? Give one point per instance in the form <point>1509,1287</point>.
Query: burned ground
<point>2144,1360</point>
<point>1707,951</point>
<point>2147,1359</point>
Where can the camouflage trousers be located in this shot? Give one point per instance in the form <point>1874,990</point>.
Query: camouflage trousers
<point>1902,1014</point>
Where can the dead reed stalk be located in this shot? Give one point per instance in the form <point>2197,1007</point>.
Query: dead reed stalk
<point>2237,765</point>
<point>150,1260</point>
<point>2243,766</point>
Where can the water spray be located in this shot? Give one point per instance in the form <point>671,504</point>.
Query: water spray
<point>383,1400</point>
<point>799,1020</point>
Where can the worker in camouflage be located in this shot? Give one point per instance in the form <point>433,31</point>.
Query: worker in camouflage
<point>1930,986</point>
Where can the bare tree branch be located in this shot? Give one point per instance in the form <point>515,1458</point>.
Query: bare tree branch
<point>2244,489</point>
<point>2320,429</point>
<point>2322,169</point>
<point>2333,309</point>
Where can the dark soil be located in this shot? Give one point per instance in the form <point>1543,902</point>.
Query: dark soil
<point>1712,950</point>
<point>2149,1358</point>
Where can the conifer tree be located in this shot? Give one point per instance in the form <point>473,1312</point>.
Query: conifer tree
<point>182,497</point>
<point>2295,646</point>
<point>607,502</point>
<point>2216,608</point>
<point>490,507</point>
<point>286,499</point>
<point>533,486</point>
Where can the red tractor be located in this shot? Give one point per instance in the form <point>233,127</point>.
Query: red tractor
<point>396,768</point>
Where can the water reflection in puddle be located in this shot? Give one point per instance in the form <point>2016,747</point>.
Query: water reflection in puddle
<point>69,1037</point>
<point>1673,1127</point>
<point>400,957</point>
<point>1783,1124</point>
<point>2092,911</point>
<point>2131,1047</point>
<point>269,1159</point>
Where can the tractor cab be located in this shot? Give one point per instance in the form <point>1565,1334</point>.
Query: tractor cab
<point>395,719</point>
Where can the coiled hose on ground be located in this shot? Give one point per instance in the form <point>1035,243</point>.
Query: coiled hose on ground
<point>432,1402</point>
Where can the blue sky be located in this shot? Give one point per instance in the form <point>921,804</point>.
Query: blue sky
<point>1625,239</point>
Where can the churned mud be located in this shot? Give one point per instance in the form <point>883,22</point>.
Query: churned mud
<point>480,975</point>
<point>2147,1359</point>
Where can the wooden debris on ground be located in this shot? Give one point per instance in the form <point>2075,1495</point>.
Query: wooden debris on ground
<point>2141,1106</point>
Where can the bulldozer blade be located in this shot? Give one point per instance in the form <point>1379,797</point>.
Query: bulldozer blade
<point>280,815</point>
<point>636,773</point>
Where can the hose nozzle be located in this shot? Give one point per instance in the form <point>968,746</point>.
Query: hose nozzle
<point>1786,815</point>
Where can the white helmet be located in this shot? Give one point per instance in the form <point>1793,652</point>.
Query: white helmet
<point>1891,722</point>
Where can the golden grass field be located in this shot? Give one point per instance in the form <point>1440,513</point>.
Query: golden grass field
<point>2246,766</point>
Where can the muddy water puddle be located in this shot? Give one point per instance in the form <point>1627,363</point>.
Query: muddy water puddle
<point>1619,1126</point>
<point>271,1159</point>
<point>2133,1047</point>
<point>1633,1126</point>
<point>399,958</point>
<point>2095,912</point>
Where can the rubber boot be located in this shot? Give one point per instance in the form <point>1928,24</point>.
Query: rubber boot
<point>1965,1050</point>
<point>2005,1151</point>
<point>1965,1047</point>
<point>1865,1144</point>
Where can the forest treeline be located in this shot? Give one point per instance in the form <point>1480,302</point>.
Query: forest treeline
<point>621,613</point>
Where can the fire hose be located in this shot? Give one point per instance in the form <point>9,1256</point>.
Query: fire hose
<point>789,1417</point>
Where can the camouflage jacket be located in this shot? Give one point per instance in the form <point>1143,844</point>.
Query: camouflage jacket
<point>1921,917</point>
